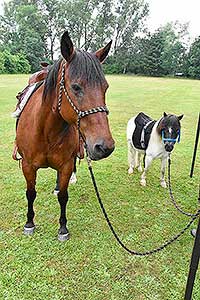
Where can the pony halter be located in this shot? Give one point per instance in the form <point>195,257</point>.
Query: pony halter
<point>177,139</point>
<point>81,114</point>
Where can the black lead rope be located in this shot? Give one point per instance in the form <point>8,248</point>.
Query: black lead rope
<point>172,196</point>
<point>164,245</point>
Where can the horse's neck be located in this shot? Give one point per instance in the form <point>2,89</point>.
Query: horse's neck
<point>50,119</point>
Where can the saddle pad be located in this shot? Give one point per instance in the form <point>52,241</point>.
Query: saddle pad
<point>141,135</point>
<point>24,97</point>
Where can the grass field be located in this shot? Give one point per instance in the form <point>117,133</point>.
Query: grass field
<point>91,265</point>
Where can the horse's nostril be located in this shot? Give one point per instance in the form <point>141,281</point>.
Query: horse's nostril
<point>102,151</point>
<point>99,148</point>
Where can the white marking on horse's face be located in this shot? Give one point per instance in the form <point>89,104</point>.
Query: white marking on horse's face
<point>170,130</point>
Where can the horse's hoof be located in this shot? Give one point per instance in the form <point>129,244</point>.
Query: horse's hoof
<point>55,192</point>
<point>140,169</point>
<point>193,232</point>
<point>29,230</point>
<point>63,237</point>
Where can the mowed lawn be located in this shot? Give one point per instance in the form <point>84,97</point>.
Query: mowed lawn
<point>91,265</point>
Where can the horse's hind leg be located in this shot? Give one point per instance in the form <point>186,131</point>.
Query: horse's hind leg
<point>73,179</point>
<point>64,176</point>
<point>30,175</point>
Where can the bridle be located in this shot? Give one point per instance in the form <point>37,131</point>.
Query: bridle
<point>81,114</point>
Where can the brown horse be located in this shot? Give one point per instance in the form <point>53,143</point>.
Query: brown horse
<point>70,103</point>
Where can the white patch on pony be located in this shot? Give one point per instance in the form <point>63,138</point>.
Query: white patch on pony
<point>170,130</point>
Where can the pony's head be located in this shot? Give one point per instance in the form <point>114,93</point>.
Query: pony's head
<point>82,86</point>
<point>169,128</point>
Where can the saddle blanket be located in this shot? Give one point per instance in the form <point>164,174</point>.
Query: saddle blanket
<point>143,128</point>
<point>23,98</point>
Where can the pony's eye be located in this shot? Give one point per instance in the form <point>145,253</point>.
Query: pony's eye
<point>76,87</point>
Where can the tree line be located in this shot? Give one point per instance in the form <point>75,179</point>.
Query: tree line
<point>30,31</point>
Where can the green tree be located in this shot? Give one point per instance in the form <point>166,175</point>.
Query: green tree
<point>194,59</point>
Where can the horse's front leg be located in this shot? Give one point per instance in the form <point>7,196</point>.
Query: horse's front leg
<point>30,175</point>
<point>163,166</point>
<point>147,162</point>
<point>64,177</point>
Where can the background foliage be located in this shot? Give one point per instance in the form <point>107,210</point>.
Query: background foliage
<point>31,29</point>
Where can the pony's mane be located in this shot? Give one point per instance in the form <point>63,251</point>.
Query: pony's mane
<point>84,67</point>
<point>166,121</point>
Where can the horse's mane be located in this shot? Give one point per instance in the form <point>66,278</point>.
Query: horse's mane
<point>51,80</point>
<point>84,66</point>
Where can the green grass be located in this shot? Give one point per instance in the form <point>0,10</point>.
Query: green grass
<point>91,265</point>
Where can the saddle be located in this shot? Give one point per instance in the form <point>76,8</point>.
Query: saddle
<point>33,84</point>
<point>143,128</point>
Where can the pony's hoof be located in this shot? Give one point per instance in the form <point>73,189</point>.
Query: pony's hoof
<point>143,182</point>
<point>63,237</point>
<point>29,230</point>
<point>163,184</point>
<point>140,169</point>
<point>130,171</point>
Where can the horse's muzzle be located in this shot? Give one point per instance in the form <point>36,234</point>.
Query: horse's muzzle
<point>169,147</point>
<point>100,150</point>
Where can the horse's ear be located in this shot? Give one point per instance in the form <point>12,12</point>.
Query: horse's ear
<point>180,117</point>
<point>103,52</point>
<point>164,114</point>
<point>67,48</point>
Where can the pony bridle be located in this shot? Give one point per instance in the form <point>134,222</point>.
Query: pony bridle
<point>81,114</point>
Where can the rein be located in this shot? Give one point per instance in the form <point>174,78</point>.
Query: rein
<point>81,114</point>
<point>134,252</point>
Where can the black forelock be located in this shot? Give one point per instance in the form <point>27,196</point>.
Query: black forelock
<point>86,67</point>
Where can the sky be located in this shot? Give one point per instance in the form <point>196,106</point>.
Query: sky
<point>163,11</point>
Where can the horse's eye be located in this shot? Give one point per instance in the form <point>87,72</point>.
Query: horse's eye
<point>76,87</point>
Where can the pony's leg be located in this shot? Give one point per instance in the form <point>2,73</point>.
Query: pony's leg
<point>131,158</point>
<point>162,178</point>
<point>147,162</point>
<point>64,176</point>
<point>138,164</point>
<point>30,175</point>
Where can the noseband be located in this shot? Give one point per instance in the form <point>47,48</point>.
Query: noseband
<point>81,114</point>
<point>170,139</point>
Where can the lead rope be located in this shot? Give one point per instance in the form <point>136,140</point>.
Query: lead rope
<point>171,193</point>
<point>133,252</point>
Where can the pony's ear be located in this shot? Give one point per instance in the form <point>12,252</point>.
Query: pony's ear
<point>164,114</point>
<point>67,48</point>
<point>103,52</point>
<point>180,117</point>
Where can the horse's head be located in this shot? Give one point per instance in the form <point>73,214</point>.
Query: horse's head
<point>83,99</point>
<point>169,128</point>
